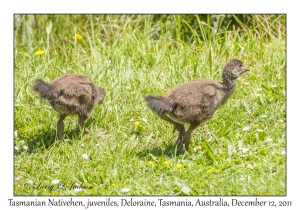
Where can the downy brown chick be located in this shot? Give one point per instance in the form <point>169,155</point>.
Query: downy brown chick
<point>196,101</point>
<point>71,94</point>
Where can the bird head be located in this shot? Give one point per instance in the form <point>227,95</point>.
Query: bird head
<point>233,69</point>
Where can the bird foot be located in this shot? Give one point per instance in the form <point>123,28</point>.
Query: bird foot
<point>179,142</point>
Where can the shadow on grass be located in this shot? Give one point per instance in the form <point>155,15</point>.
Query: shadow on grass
<point>169,151</point>
<point>47,137</point>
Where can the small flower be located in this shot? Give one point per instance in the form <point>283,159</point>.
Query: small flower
<point>128,88</point>
<point>84,156</point>
<point>97,145</point>
<point>125,190</point>
<point>269,139</point>
<point>82,145</point>
<point>211,133</point>
<point>281,121</point>
<point>55,181</point>
<point>77,37</point>
<point>179,166</point>
<point>283,152</point>
<point>77,189</point>
<point>245,150</point>
<point>113,184</point>
<point>25,147</point>
<point>144,120</point>
<point>29,182</point>
<point>263,116</point>
<point>39,52</point>
<point>246,128</point>
<point>209,171</point>
<point>150,162</point>
<point>17,148</point>
<point>259,130</point>
<point>166,163</point>
<point>199,147</point>
<point>137,123</point>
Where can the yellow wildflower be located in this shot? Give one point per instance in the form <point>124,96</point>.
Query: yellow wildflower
<point>151,162</point>
<point>113,184</point>
<point>179,166</point>
<point>209,171</point>
<point>199,147</point>
<point>166,162</point>
<point>137,123</point>
<point>39,52</point>
<point>77,37</point>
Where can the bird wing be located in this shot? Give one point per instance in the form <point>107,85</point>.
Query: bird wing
<point>75,93</point>
<point>209,99</point>
<point>194,101</point>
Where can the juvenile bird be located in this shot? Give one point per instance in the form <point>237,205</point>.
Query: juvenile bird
<point>196,101</point>
<point>71,94</point>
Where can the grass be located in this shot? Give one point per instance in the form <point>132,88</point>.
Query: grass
<point>130,147</point>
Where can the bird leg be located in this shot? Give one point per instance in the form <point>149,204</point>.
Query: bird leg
<point>81,119</point>
<point>177,126</point>
<point>181,132</point>
<point>187,135</point>
<point>60,125</point>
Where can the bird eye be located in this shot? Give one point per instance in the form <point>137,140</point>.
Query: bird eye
<point>240,65</point>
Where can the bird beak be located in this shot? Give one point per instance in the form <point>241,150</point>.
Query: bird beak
<point>245,68</point>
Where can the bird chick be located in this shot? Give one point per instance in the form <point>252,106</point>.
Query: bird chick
<point>71,94</point>
<point>196,101</point>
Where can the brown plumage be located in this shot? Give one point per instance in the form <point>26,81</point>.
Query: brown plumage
<point>196,101</point>
<point>71,94</point>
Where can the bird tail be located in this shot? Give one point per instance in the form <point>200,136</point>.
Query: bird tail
<point>43,88</point>
<point>158,104</point>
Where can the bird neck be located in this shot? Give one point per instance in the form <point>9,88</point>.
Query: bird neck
<point>228,83</point>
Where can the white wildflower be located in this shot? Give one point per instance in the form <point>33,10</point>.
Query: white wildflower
<point>269,139</point>
<point>211,133</point>
<point>25,147</point>
<point>144,120</point>
<point>245,150</point>
<point>77,189</point>
<point>85,156</point>
<point>17,148</point>
<point>29,182</point>
<point>246,128</point>
<point>82,145</point>
<point>125,190</point>
<point>283,152</point>
<point>55,181</point>
<point>259,130</point>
